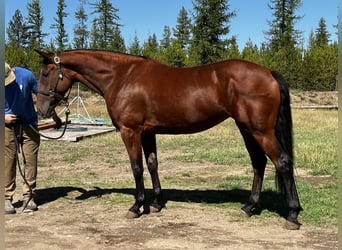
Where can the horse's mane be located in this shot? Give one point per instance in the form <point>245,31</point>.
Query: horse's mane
<point>114,52</point>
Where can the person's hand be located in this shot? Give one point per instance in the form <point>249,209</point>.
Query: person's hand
<point>10,118</point>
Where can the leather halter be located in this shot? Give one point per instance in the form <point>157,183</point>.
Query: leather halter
<point>61,74</point>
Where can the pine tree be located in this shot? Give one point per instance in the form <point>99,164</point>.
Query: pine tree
<point>80,29</point>
<point>166,40</point>
<point>174,54</point>
<point>150,48</point>
<point>320,61</point>
<point>134,48</point>
<point>322,35</point>
<point>15,55</point>
<point>62,37</point>
<point>95,35</point>
<point>233,50</point>
<point>107,21</point>
<point>211,25</point>
<point>182,32</point>
<point>251,52</point>
<point>16,31</point>
<point>284,40</point>
<point>118,43</point>
<point>35,22</point>
<point>282,31</point>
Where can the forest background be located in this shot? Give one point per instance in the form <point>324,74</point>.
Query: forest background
<point>201,36</point>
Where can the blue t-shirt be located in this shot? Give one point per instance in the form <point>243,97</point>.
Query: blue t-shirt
<point>18,97</point>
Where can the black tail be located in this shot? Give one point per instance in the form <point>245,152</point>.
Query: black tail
<point>283,129</point>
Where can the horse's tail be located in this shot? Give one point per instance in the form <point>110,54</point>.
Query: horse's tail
<point>283,129</point>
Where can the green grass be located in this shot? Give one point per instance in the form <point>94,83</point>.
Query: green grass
<point>315,141</point>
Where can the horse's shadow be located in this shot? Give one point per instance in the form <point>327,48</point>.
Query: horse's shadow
<point>270,200</point>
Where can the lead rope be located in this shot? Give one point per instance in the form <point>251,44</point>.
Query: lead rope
<point>18,140</point>
<point>67,112</point>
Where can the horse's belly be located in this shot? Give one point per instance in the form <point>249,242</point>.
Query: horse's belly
<point>185,125</point>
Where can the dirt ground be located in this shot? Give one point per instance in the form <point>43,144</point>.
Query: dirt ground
<point>81,217</point>
<point>329,98</point>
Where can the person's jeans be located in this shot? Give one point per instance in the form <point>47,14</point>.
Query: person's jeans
<point>29,150</point>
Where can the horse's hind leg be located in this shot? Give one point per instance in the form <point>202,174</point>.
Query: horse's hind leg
<point>259,160</point>
<point>284,167</point>
<point>286,183</point>
<point>150,151</point>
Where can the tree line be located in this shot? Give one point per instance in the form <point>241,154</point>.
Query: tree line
<point>199,37</point>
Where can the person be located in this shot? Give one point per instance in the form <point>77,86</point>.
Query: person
<point>20,121</point>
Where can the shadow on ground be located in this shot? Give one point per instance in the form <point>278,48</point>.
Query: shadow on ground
<point>270,200</point>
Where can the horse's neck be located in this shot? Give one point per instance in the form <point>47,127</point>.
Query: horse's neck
<point>86,74</point>
<point>87,67</point>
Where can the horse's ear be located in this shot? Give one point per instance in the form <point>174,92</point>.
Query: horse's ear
<point>46,56</point>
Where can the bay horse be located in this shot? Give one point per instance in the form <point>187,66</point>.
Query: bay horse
<point>145,97</point>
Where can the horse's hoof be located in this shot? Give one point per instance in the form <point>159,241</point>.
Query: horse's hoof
<point>155,209</point>
<point>246,213</point>
<point>131,215</point>
<point>289,225</point>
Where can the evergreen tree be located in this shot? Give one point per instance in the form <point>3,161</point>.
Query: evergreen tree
<point>251,52</point>
<point>51,46</point>
<point>211,19</point>
<point>166,40</point>
<point>320,61</point>
<point>233,51</point>
<point>15,55</point>
<point>282,31</point>
<point>118,43</point>
<point>107,21</point>
<point>311,41</point>
<point>322,35</point>
<point>284,40</point>
<point>35,22</point>
<point>134,48</point>
<point>266,56</point>
<point>320,68</point>
<point>150,48</point>
<point>16,31</point>
<point>80,29</point>
<point>95,36</point>
<point>182,32</point>
<point>174,55</point>
<point>62,36</point>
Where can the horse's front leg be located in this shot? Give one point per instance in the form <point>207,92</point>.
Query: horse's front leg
<point>132,140</point>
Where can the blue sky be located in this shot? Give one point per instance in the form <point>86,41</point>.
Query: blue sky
<point>147,17</point>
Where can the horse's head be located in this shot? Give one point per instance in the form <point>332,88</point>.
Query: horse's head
<point>54,84</point>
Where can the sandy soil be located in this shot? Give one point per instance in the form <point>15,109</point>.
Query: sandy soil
<point>82,217</point>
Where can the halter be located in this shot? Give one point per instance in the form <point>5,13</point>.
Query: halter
<point>59,97</point>
<point>53,92</point>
